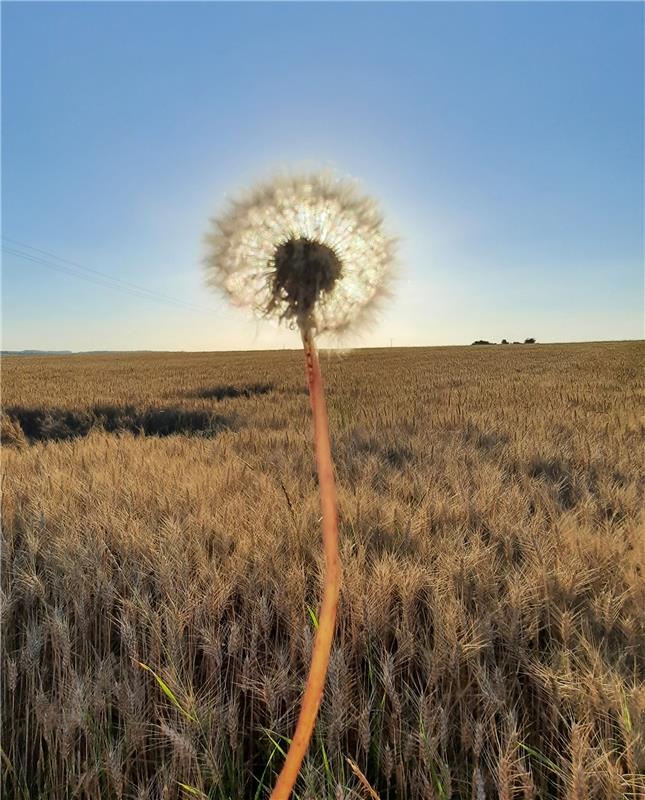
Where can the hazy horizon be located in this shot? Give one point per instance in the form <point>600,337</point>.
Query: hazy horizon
<point>504,143</point>
<point>298,349</point>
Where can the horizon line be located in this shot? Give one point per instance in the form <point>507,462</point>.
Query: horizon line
<point>34,351</point>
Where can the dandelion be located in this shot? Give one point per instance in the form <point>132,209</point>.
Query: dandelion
<point>311,252</point>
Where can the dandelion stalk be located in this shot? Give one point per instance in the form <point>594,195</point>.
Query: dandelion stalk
<point>311,252</point>
<point>327,619</point>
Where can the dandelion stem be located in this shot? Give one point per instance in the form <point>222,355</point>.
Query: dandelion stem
<point>327,620</point>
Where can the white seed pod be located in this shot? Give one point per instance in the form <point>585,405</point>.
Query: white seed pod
<point>309,250</point>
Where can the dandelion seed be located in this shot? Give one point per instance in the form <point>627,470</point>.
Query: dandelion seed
<point>311,252</point>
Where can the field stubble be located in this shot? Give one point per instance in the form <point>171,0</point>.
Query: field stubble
<point>163,509</point>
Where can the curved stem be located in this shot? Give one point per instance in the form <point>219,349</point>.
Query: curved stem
<point>327,621</point>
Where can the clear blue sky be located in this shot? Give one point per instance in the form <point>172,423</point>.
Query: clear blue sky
<point>504,141</point>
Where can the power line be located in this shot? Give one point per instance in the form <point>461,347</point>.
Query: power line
<point>102,279</point>
<point>92,271</point>
<point>76,270</point>
<point>105,283</point>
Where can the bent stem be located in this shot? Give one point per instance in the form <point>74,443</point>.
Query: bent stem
<point>327,620</point>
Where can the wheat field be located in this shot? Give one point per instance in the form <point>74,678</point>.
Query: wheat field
<point>161,574</point>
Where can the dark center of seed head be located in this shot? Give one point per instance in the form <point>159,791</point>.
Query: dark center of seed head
<point>302,270</point>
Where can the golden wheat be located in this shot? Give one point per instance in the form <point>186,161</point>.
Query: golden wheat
<point>163,509</point>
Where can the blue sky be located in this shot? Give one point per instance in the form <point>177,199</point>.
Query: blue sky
<point>504,142</point>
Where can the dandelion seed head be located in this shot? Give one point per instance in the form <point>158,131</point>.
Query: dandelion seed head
<point>309,250</point>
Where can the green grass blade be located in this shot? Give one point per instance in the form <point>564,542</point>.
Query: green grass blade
<point>314,618</point>
<point>167,691</point>
<point>191,790</point>
<point>542,759</point>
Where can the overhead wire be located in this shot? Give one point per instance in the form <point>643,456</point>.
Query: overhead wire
<point>48,259</point>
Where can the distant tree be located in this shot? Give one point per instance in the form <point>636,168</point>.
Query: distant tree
<point>529,341</point>
<point>504,341</point>
<point>482,341</point>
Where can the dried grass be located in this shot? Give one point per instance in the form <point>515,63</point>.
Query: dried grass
<point>490,633</point>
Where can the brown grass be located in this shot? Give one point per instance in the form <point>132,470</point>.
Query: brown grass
<point>490,636</point>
